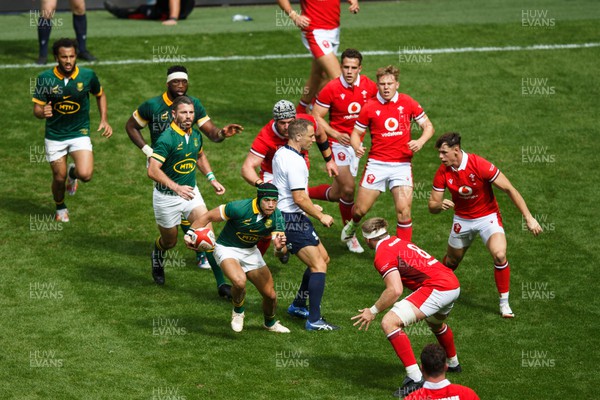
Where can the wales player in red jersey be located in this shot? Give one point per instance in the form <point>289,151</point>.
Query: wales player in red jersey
<point>342,99</point>
<point>319,21</point>
<point>436,386</point>
<point>434,290</point>
<point>389,117</point>
<point>469,179</point>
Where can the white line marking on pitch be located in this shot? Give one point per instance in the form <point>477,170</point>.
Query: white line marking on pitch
<point>450,50</point>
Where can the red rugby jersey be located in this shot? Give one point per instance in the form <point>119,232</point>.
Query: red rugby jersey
<point>390,124</point>
<point>470,186</point>
<point>345,101</point>
<point>417,267</point>
<point>269,140</point>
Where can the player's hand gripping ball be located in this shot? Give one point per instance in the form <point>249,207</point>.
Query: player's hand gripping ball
<point>200,239</point>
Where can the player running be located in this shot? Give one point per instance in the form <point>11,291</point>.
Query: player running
<point>389,117</point>
<point>319,22</point>
<point>61,97</point>
<point>434,290</point>
<point>172,166</point>
<point>342,99</point>
<point>469,178</point>
<point>248,221</point>
<point>155,114</point>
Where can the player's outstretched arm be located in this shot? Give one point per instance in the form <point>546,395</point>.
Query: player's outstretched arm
<point>502,183</point>
<point>393,290</point>
<point>437,203</point>
<point>208,217</point>
<point>216,134</point>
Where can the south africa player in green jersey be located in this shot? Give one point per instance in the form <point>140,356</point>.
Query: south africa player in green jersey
<point>61,97</point>
<point>177,153</point>
<point>249,221</point>
<point>155,113</point>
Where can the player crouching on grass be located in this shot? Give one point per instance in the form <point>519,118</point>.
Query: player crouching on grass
<point>248,221</point>
<point>469,179</point>
<point>435,289</point>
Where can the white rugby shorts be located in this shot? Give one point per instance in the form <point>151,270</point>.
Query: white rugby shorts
<point>379,173</point>
<point>56,149</point>
<point>464,230</point>
<point>168,208</point>
<point>345,156</point>
<point>249,259</point>
<point>321,42</point>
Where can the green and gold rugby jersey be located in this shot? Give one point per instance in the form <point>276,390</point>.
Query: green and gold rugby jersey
<point>156,115</point>
<point>246,225</point>
<point>70,101</point>
<point>178,156</point>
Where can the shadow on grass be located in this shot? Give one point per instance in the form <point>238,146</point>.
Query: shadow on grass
<point>360,370</point>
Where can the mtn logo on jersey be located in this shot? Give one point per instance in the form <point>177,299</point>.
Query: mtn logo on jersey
<point>66,107</point>
<point>354,108</point>
<point>185,166</point>
<point>247,237</point>
<point>465,191</point>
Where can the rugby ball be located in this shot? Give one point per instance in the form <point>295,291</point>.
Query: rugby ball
<point>201,238</point>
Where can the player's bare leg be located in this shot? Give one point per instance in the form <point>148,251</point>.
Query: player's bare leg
<point>393,327</point>
<point>364,201</point>
<point>445,338</point>
<point>237,276</point>
<point>59,177</point>
<point>403,196</point>
<point>496,245</point>
<point>323,69</point>
<point>263,281</point>
<point>84,166</point>
<point>80,27</point>
<point>453,257</point>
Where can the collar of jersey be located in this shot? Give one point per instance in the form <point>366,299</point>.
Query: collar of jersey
<point>346,85</point>
<point>294,150</point>
<point>463,163</point>
<point>166,99</point>
<point>436,385</point>
<point>61,76</point>
<point>179,130</point>
<point>275,131</point>
<point>383,101</point>
<point>255,208</point>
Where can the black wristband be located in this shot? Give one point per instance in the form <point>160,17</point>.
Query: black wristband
<point>328,158</point>
<point>323,146</point>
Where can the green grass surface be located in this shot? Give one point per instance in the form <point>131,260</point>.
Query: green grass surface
<point>94,338</point>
